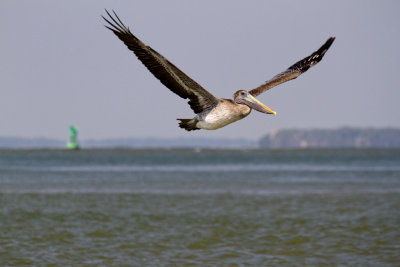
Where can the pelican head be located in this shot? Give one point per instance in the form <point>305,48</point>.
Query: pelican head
<point>245,98</point>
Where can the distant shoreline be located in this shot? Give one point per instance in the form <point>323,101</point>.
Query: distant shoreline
<point>189,150</point>
<point>341,138</point>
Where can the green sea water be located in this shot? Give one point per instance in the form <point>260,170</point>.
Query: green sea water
<point>200,208</point>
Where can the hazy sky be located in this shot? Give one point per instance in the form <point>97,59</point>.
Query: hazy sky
<point>60,66</point>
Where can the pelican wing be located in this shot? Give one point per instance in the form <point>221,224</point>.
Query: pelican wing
<point>295,70</point>
<point>169,75</point>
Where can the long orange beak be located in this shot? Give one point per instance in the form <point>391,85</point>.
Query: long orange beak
<point>257,105</point>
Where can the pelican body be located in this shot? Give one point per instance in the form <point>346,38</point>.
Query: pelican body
<point>211,112</point>
<point>223,114</point>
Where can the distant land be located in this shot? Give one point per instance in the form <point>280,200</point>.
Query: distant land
<point>282,139</point>
<point>36,143</point>
<point>336,138</point>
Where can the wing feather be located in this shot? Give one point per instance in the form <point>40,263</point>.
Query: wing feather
<point>295,70</point>
<point>168,74</point>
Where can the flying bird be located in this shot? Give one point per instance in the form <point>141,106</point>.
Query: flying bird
<point>211,112</point>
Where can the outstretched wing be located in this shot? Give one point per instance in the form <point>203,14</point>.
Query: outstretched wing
<point>169,75</point>
<point>295,70</point>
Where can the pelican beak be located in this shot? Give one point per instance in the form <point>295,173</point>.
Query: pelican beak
<point>252,102</point>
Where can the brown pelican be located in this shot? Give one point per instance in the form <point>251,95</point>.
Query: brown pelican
<point>211,112</point>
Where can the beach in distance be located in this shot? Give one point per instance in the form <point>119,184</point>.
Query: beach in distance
<point>205,207</point>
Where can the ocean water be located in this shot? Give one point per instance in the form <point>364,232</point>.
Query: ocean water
<point>200,208</point>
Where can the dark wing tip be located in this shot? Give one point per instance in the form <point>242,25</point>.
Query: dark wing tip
<point>330,40</point>
<point>307,62</point>
<point>115,23</point>
<point>326,46</point>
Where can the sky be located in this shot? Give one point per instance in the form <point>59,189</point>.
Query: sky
<point>59,65</point>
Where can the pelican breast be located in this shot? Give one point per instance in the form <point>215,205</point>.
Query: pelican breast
<point>223,114</point>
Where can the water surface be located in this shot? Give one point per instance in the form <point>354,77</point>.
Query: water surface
<point>184,207</point>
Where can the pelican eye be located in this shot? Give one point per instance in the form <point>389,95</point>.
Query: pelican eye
<point>242,93</point>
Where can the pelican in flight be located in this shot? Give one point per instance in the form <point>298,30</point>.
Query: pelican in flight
<point>211,112</point>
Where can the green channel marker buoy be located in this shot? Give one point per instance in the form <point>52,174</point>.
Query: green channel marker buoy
<point>73,138</point>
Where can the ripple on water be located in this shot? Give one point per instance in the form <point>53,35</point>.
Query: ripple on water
<point>252,214</point>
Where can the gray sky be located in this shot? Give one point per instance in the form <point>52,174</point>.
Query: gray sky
<point>60,66</point>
